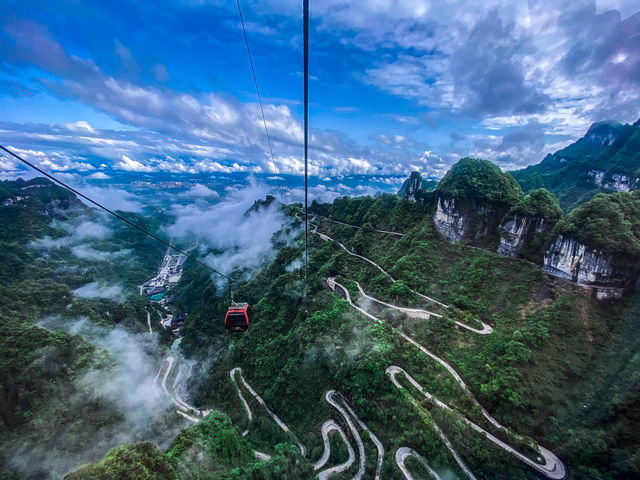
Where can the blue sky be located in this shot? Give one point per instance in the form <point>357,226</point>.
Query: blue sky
<point>92,88</point>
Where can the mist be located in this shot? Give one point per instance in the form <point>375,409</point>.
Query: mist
<point>100,290</point>
<point>113,403</point>
<point>240,240</point>
<point>80,233</point>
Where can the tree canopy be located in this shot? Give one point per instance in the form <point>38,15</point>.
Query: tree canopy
<point>476,179</point>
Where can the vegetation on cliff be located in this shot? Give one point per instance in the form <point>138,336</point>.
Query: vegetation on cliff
<point>609,222</point>
<point>539,203</point>
<point>479,180</point>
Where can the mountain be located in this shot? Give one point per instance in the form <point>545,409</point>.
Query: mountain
<point>595,245</point>
<point>393,343</point>
<point>606,159</point>
<point>415,186</point>
<point>472,198</point>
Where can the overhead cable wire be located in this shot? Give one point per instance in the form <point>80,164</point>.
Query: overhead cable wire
<point>305,15</point>
<point>264,120</point>
<point>111,212</point>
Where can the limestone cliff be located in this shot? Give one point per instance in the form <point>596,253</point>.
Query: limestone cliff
<point>412,187</point>
<point>569,259</point>
<point>519,230</point>
<point>471,220</point>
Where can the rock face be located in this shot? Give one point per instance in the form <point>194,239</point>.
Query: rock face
<point>518,230</point>
<point>596,176</point>
<point>571,260</point>
<point>456,220</point>
<point>622,183</point>
<point>451,223</point>
<point>413,186</point>
<point>617,181</point>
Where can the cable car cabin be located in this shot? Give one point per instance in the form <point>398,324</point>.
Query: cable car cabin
<point>237,318</point>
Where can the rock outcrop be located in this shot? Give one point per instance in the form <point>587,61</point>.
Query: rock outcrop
<point>571,260</point>
<point>471,200</point>
<point>457,220</point>
<point>412,187</point>
<point>450,222</point>
<point>622,183</point>
<point>519,230</point>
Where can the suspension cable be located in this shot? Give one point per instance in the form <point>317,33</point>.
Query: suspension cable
<point>305,9</point>
<point>111,212</point>
<point>264,120</point>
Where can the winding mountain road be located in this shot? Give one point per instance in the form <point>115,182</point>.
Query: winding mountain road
<point>327,427</point>
<point>327,238</point>
<point>553,467</point>
<point>425,314</point>
<point>184,409</point>
<point>338,402</point>
<point>403,453</point>
<point>397,234</point>
<point>280,423</point>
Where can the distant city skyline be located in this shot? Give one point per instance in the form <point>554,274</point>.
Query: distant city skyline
<point>92,89</point>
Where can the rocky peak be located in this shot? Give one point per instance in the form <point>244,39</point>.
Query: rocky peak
<point>413,186</point>
<point>603,133</point>
<point>472,199</point>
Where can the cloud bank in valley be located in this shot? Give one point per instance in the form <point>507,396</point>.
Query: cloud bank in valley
<point>100,290</point>
<point>231,236</point>
<point>114,402</point>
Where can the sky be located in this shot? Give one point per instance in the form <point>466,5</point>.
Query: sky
<point>94,88</point>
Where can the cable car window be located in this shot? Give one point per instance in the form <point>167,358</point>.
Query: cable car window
<point>237,319</point>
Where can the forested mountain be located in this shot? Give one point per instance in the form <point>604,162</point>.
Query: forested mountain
<point>606,159</point>
<point>539,355</point>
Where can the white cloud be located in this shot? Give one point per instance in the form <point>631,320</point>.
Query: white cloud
<point>245,240</point>
<point>128,164</point>
<point>200,191</point>
<point>86,252</point>
<point>80,126</point>
<point>100,290</point>
<point>111,197</point>
<point>99,176</point>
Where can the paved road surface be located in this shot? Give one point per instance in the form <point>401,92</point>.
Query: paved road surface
<point>553,467</point>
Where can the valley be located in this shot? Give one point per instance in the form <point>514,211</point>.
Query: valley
<point>412,356</point>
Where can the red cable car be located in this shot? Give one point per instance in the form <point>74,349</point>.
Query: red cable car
<point>237,318</point>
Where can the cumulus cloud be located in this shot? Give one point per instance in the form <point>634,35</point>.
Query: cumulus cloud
<point>99,176</point>
<point>200,191</point>
<point>128,164</point>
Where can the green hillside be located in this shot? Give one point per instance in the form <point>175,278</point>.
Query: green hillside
<point>595,163</point>
<point>541,357</point>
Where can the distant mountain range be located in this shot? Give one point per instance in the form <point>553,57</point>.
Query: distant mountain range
<point>606,159</point>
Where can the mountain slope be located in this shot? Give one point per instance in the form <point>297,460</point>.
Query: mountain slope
<point>606,159</point>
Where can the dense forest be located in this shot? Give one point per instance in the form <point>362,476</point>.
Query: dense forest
<point>558,367</point>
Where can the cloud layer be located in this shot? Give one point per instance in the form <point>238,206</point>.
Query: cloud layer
<point>396,85</point>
